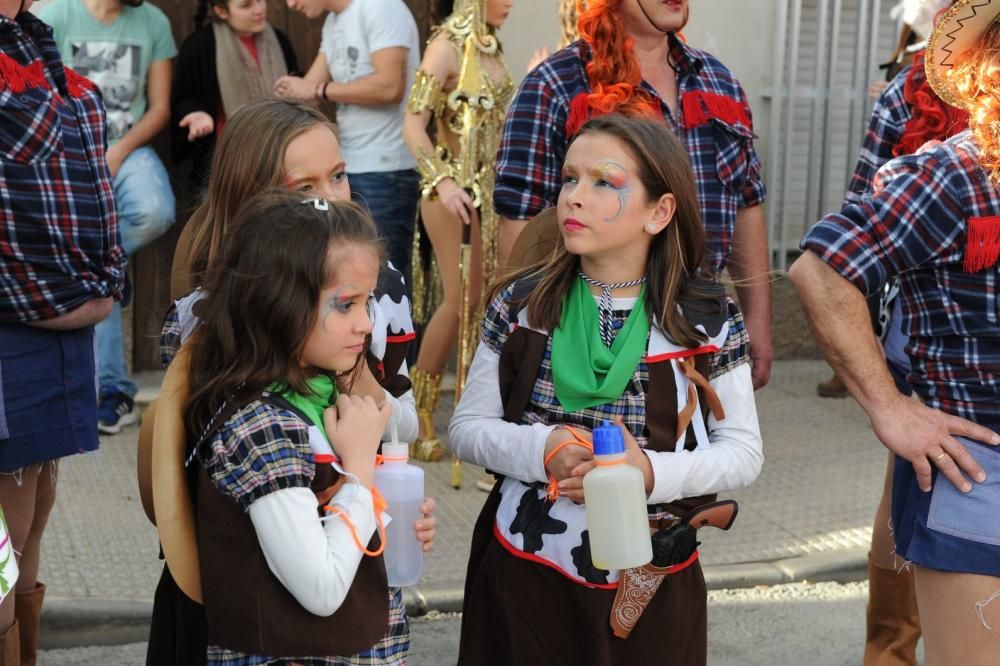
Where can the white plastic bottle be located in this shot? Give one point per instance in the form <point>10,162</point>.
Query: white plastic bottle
<point>402,486</point>
<point>615,496</point>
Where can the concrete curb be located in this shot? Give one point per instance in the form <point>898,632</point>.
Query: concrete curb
<point>70,623</point>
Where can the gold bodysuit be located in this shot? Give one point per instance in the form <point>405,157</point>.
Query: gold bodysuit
<point>468,121</point>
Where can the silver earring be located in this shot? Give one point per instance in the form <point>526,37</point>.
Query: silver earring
<point>651,228</point>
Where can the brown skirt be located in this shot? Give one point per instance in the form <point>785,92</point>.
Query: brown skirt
<point>519,612</point>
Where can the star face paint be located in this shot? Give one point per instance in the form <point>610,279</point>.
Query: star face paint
<point>613,175</point>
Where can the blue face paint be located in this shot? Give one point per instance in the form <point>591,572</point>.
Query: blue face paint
<point>614,176</point>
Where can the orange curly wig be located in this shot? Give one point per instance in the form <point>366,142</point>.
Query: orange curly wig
<point>613,70</point>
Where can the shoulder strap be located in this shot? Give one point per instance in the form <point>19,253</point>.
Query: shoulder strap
<point>521,356</point>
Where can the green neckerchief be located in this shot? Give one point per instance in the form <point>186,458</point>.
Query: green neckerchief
<point>322,394</point>
<point>587,373</point>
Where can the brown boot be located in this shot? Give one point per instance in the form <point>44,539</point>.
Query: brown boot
<point>426,388</point>
<point>832,388</point>
<point>10,647</point>
<point>893,625</point>
<point>28,611</point>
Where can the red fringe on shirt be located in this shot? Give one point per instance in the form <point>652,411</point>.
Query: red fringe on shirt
<point>982,248</point>
<point>17,78</point>
<point>700,107</point>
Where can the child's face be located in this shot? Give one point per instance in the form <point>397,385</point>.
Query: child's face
<point>245,17</point>
<point>314,165</point>
<point>337,337</point>
<point>603,208</point>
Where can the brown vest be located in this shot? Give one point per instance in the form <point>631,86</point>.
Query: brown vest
<point>248,608</point>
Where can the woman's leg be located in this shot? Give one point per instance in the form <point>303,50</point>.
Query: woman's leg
<point>27,496</point>
<point>892,621</point>
<point>960,615</point>
<point>441,332</point>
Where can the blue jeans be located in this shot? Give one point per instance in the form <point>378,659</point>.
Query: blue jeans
<point>391,197</point>
<point>145,205</point>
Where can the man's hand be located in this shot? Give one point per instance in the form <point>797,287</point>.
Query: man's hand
<point>924,436</point>
<point>198,124</point>
<point>294,87</point>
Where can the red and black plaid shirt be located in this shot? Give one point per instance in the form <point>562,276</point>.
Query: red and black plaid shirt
<point>59,242</point>
<point>932,220</point>
<point>713,121</point>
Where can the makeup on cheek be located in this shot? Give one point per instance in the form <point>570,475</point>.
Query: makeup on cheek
<point>616,177</point>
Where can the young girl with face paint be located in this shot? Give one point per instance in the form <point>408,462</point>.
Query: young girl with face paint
<point>272,144</point>
<point>614,326</point>
<point>282,582</point>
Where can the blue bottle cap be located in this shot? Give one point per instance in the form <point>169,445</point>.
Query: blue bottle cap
<point>608,440</point>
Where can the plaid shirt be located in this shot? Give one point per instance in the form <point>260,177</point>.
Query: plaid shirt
<point>544,406</point>
<point>885,128</point>
<point>263,448</point>
<point>915,226</point>
<point>725,164</point>
<point>59,242</point>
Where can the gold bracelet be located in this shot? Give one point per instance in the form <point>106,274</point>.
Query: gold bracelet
<point>432,170</point>
<point>426,93</point>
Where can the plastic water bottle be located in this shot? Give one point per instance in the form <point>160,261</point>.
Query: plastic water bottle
<point>615,496</point>
<point>402,486</point>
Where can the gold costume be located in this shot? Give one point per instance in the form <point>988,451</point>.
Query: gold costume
<point>472,113</point>
<point>468,120</point>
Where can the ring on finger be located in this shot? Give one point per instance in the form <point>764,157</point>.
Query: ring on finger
<point>939,456</point>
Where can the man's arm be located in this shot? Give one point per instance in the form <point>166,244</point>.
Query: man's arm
<point>838,317</point>
<point>386,85</point>
<point>152,122</point>
<point>507,234</point>
<point>749,267</point>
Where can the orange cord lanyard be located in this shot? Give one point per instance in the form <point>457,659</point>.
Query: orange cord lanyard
<point>379,504</point>
<point>552,490</point>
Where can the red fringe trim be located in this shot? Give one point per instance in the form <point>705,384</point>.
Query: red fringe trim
<point>982,248</point>
<point>579,113</point>
<point>77,84</point>
<point>700,107</point>
<point>17,78</point>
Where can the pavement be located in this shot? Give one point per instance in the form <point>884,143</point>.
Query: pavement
<point>807,518</point>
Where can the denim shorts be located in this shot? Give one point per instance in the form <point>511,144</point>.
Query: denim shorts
<point>48,397</point>
<point>946,529</point>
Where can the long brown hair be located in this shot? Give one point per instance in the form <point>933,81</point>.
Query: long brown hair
<point>675,254</point>
<point>261,298</point>
<point>248,158</point>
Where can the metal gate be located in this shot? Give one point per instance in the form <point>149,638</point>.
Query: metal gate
<point>819,108</point>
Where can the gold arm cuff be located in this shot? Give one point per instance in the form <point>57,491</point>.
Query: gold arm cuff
<point>432,169</point>
<point>427,93</point>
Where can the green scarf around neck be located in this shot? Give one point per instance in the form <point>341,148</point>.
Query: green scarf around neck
<point>585,373</point>
<point>322,393</point>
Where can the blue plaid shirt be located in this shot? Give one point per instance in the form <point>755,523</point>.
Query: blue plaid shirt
<point>59,241</point>
<point>534,141</point>
<point>885,128</point>
<point>915,226</point>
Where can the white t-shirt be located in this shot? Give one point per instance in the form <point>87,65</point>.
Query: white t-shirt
<point>371,136</point>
